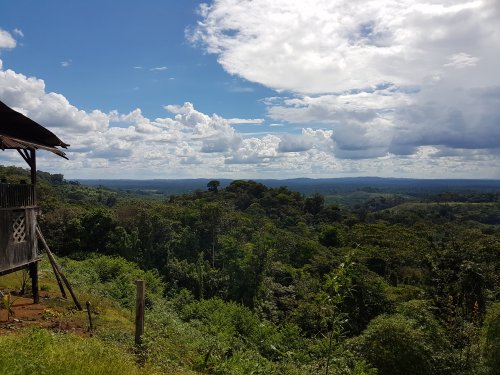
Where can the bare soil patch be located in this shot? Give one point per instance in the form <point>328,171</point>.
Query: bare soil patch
<point>50,313</point>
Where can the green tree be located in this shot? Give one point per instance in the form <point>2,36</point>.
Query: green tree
<point>490,340</point>
<point>410,342</point>
<point>335,289</point>
<point>213,186</point>
<point>314,204</point>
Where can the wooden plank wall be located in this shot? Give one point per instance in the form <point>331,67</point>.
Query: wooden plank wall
<point>15,254</point>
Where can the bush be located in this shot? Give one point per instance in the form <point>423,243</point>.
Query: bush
<point>410,342</point>
<point>490,340</point>
<point>114,278</point>
<point>213,336</point>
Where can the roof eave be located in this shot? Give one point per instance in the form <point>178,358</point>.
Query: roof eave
<point>7,142</point>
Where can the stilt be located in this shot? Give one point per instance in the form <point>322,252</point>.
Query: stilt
<point>34,281</point>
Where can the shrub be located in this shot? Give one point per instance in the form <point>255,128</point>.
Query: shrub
<point>410,342</point>
<point>113,277</point>
<point>490,340</point>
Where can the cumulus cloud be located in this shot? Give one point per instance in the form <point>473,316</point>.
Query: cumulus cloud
<point>407,87</point>
<point>320,46</point>
<point>387,78</point>
<point>118,143</point>
<point>256,150</point>
<point>214,132</point>
<point>294,143</point>
<point>6,40</point>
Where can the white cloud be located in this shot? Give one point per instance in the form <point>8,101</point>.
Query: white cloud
<point>215,132</point>
<point>319,46</point>
<point>237,121</point>
<point>158,69</point>
<point>380,130</point>
<point>387,78</point>
<point>462,60</point>
<point>256,150</point>
<point>6,40</point>
<point>294,143</point>
<point>66,63</point>
<point>18,32</point>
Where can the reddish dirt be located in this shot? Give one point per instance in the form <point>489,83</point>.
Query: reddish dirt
<point>28,314</point>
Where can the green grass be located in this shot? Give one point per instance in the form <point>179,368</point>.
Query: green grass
<point>42,352</point>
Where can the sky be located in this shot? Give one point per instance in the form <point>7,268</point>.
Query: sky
<point>257,88</point>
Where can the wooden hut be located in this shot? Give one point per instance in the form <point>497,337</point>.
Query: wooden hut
<point>18,202</point>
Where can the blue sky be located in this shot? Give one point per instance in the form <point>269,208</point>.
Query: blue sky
<point>111,50</point>
<point>248,89</point>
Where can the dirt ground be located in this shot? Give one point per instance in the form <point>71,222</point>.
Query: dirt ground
<point>50,313</point>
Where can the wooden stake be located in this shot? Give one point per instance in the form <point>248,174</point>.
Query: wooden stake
<point>139,312</point>
<point>58,270</point>
<point>91,326</point>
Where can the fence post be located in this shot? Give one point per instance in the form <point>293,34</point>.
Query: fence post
<point>89,313</point>
<point>139,312</point>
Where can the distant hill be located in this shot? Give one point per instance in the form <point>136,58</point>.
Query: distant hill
<point>308,186</point>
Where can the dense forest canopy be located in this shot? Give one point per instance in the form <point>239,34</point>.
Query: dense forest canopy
<point>389,284</point>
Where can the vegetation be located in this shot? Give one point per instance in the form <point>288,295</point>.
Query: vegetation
<point>39,352</point>
<point>249,279</point>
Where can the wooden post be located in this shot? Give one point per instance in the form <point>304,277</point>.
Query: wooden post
<point>91,326</point>
<point>34,282</point>
<point>139,312</point>
<point>32,155</point>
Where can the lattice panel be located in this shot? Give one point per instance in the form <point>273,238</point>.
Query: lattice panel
<point>19,229</point>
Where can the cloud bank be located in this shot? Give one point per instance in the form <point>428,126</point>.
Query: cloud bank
<point>189,143</point>
<point>387,77</point>
<point>389,88</point>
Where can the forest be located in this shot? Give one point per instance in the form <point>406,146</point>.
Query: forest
<point>251,279</point>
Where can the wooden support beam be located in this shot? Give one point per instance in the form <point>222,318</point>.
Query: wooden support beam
<point>33,166</point>
<point>17,268</point>
<point>29,157</point>
<point>58,279</point>
<point>23,153</point>
<point>34,281</point>
<point>57,269</point>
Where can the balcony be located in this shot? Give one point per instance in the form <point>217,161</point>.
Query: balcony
<point>17,195</point>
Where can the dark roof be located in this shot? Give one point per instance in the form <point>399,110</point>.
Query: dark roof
<point>18,131</point>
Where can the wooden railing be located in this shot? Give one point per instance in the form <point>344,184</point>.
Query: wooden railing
<point>17,195</point>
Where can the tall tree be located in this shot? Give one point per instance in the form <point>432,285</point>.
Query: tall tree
<point>213,186</point>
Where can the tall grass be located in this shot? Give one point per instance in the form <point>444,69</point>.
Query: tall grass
<point>40,352</point>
